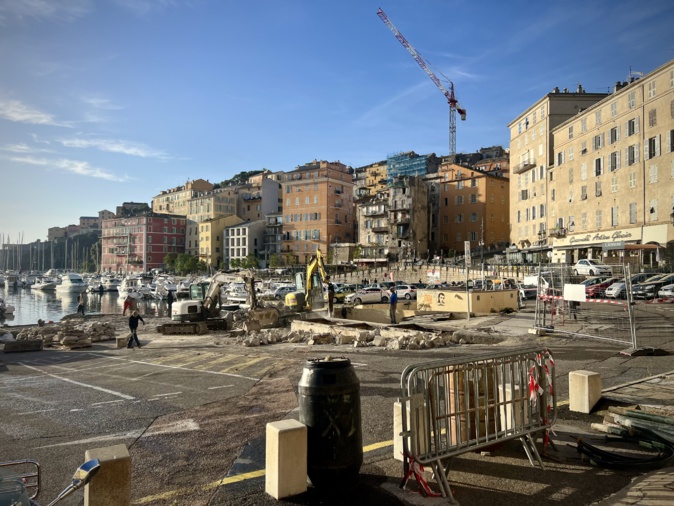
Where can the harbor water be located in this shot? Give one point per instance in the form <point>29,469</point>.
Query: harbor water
<point>33,305</point>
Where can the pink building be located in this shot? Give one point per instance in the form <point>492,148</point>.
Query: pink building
<point>140,243</point>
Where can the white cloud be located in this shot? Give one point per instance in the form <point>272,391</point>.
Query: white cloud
<point>64,10</point>
<point>74,166</point>
<point>101,103</point>
<point>23,148</point>
<point>16,111</point>
<point>116,146</point>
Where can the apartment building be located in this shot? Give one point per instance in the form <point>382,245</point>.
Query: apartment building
<point>175,200</point>
<point>372,225</point>
<point>611,188</point>
<point>369,179</point>
<point>244,239</point>
<point>317,207</point>
<point>531,154</point>
<point>211,236</point>
<point>273,238</point>
<point>258,198</point>
<point>474,206</point>
<point>140,243</point>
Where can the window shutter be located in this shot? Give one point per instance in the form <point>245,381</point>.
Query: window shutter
<point>668,142</point>
<point>636,153</point>
<point>617,134</point>
<point>636,128</point>
<point>645,151</point>
<point>602,140</point>
<point>657,145</point>
<point>617,160</point>
<point>627,129</point>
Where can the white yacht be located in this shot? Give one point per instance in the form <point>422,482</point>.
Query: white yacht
<point>44,284</point>
<point>72,283</point>
<point>110,283</point>
<point>134,287</point>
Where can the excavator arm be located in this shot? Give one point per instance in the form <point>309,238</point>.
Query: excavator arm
<point>212,298</point>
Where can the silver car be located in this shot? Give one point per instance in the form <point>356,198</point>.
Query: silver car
<point>370,294</point>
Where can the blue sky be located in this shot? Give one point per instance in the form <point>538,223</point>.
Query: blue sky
<point>106,101</point>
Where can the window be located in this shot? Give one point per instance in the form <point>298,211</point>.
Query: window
<point>652,118</point>
<point>598,219</point>
<point>599,166</point>
<point>583,193</point>
<point>653,210</point>
<point>597,117</point>
<point>669,141</point>
<point>473,198</point>
<point>306,200</point>
<point>597,188</point>
<point>473,183</point>
<point>633,154</point>
<point>632,180</point>
<point>459,218</point>
<point>651,89</point>
<point>459,185</point>
<point>552,194</point>
<point>315,199</point>
<point>583,172</point>
<point>571,132</point>
<point>631,100</point>
<point>598,141</point>
<point>652,148</point>
<point>541,211</point>
<point>583,147</point>
<point>614,135</point>
<point>614,161</point>
<point>570,154</point>
<point>560,158</point>
<point>297,201</point>
<point>633,212</point>
<point>570,194</point>
<point>632,126</point>
<point>653,174</point>
<point>473,217</point>
<point>583,221</point>
<point>614,216</point>
<point>614,109</point>
<point>570,176</point>
<point>614,184</point>
<point>583,125</point>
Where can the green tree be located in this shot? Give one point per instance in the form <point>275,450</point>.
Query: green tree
<point>274,261</point>
<point>234,263</point>
<point>289,259</point>
<point>250,262</point>
<point>170,261</point>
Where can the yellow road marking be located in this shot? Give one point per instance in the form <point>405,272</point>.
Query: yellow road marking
<point>224,358</point>
<point>243,365</point>
<point>231,479</point>
<point>170,358</point>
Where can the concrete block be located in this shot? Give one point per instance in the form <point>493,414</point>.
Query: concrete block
<point>414,410</point>
<point>122,342</point>
<point>513,406</point>
<point>286,459</point>
<point>584,390</point>
<point>112,485</point>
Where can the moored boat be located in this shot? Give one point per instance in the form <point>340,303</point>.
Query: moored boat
<point>72,282</point>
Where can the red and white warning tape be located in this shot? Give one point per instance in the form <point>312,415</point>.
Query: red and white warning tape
<point>662,300</point>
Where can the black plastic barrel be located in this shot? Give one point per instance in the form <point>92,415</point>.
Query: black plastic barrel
<point>329,399</point>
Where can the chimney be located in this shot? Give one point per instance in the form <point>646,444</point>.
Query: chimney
<point>580,89</point>
<point>556,90</point>
<point>617,86</point>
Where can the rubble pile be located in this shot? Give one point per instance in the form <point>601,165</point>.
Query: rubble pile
<point>322,334</point>
<point>69,333</point>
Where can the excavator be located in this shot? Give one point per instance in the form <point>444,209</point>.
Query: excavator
<point>201,312</point>
<point>309,294</point>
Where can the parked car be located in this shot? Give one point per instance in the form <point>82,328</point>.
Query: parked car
<point>281,292</point>
<point>666,291</point>
<point>649,288</point>
<point>369,294</point>
<point>590,267</point>
<point>597,290</point>
<point>406,292</point>
<point>527,291</point>
<point>340,293</point>
<point>618,290</point>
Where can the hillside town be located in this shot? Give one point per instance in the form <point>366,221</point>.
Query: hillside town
<point>582,170</point>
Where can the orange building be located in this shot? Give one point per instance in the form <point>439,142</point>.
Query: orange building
<point>318,209</point>
<point>474,206</point>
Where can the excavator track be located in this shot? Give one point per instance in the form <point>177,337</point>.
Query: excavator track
<point>189,328</point>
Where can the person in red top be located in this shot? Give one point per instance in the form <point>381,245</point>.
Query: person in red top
<point>127,304</point>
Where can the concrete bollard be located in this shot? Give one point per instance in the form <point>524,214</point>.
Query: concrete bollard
<point>286,459</point>
<point>416,404</point>
<point>584,390</point>
<point>112,485</point>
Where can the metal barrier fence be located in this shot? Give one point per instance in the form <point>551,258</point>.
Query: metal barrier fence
<point>568,303</point>
<point>450,407</point>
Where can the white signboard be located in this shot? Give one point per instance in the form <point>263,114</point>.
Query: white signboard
<point>466,248</point>
<point>574,293</point>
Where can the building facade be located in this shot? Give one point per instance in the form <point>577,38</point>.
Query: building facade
<point>211,236</point>
<point>318,209</point>
<point>242,240</point>
<point>140,243</point>
<point>531,154</point>
<point>612,180</point>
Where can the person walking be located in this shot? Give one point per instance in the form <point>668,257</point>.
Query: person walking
<point>169,299</point>
<point>393,301</point>
<point>133,326</point>
<point>127,304</point>
<point>80,303</point>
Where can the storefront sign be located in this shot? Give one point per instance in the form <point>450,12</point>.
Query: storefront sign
<point>615,245</point>
<point>630,234</point>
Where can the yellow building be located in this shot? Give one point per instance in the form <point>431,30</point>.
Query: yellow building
<point>531,154</point>
<point>612,180</point>
<point>211,234</point>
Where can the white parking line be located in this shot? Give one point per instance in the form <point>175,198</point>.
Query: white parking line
<point>171,393</point>
<point>100,389</point>
<point>107,402</point>
<point>221,386</point>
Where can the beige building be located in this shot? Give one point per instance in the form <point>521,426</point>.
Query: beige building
<point>370,179</point>
<point>612,180</point>
<point>175,200</point>
<point>211,235</point>
<point>531,154</point>
<point>318,209</point>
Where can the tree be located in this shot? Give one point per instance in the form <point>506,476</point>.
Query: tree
<point>274,261</point>
<point>240,178</point>
<point>250,262</point>
<point>170,261</point>
<point>289,259</point>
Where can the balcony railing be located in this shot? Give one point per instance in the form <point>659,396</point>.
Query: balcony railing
<point>558,232</point>
<point>525,165</point>
<point>379,230</point>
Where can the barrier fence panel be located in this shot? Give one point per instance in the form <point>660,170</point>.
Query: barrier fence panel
<point>653,318</point>
<point>576,304</point>
<point>451,407</point>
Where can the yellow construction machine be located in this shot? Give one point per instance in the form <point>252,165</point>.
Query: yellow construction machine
<point>309,294</point>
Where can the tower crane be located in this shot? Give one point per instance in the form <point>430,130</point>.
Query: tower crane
<point>449,95</point>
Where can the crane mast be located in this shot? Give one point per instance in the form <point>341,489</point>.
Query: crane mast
<point>449,95</point>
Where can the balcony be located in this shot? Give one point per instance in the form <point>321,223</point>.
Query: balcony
<point>380,230</point>
<point>376,212</point>
<point>524,166</point>
<point>558,232</point>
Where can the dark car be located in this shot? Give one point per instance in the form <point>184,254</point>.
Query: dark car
<point>598,290</point>
<point>649,288</point>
